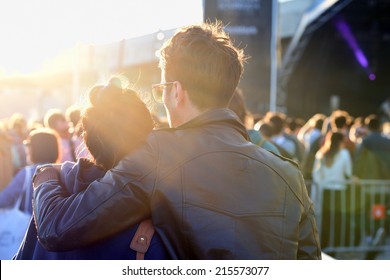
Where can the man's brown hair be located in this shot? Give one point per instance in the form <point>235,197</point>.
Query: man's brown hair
<point>203,59</point>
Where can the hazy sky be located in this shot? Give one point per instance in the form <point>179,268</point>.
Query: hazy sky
<point>32,31</point>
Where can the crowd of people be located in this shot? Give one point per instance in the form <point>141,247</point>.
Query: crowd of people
<point>214,184</point>
<point>333,152</point>
<point>327,148</point>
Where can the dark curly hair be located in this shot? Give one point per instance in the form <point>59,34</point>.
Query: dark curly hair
<point>116,122</point>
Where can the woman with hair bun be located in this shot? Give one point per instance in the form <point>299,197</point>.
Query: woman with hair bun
<point>114,124</point>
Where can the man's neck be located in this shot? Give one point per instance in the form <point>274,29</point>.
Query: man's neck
<point>185,115</point>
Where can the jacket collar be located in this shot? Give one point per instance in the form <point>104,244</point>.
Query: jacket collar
<point>221,116</point>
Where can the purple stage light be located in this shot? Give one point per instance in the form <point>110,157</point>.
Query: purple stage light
<point>346,32</point>
<point>372,77</point>
<point>361,58</point>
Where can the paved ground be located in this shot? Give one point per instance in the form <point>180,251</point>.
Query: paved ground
<point>383,255</point>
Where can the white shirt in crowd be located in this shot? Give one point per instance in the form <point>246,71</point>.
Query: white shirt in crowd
<point>326,177</point>
<point>340,170</point>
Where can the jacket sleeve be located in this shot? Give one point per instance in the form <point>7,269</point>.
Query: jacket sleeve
<point>116,201</point>
<point>309,242</point>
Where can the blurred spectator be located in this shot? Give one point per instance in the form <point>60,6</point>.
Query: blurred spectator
<point>277,121</point>
<point>17,130</point>
<point>333,162</point>
<point>358,131</point>
<point>6,170</point>
<point>372,160</point>
<point>385,110</point>
<point>237,104</point>
<point>55,120</point>
<point>332,166</point>
<point>42,147</point>
<point>265,131</point>
<point>294,125</point>
<point>288,145</point>
<point>33,124</point>
<point>311,131</point>
<point>311,136</point>
<point>340,122</point>
<point>386,129</point>
<point>73,116</point>
<point>256,118</point>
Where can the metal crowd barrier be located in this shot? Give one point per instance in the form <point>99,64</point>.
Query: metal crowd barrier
<point>353,216</point>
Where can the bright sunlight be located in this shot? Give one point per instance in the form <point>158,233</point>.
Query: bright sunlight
<point>33,32</point>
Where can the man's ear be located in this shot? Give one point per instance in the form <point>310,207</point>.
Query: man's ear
<point>181,93</point>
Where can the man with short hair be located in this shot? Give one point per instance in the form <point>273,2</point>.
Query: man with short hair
<point>211,193</point>
<point>372,159</point>
<point>288,145</point>
<point>339,122</point>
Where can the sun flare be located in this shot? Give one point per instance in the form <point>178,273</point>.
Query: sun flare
<point>33,32</point>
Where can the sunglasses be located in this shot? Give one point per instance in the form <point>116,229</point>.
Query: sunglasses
<point>158,90</point>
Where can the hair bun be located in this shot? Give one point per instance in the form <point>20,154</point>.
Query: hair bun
<point>103,96</point>
<point>94,95</point>
<point>112,91</point>
<point>115,82</point>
